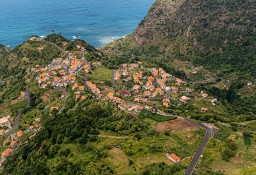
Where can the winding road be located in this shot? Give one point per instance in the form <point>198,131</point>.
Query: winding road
<point>196,158</point>
<point>16,124</point>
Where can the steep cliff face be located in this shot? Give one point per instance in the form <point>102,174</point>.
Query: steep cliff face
<point>3,50</point>
<point>156,20</point>
<point>216,34</point>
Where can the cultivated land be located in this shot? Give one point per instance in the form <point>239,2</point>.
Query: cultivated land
<point>153,97</point>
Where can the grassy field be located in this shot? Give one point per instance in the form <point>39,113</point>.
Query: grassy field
<point>102,74</point>
<point>129,155</point>
<point>159,118</point>
<point>243,163</point>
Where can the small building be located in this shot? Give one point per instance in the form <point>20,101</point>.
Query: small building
<point>184,99</point>
<point>54,108</point>
<point>6,153</point>
<point>204,109</point>
<point>173,157</point>
<point>123,92</point>
<point>22,94</point>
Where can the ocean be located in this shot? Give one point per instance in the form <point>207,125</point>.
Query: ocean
<point>98,22</point>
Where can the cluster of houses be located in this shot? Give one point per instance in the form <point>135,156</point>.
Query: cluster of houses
<point>147,87</point>
<point>148,84</point>
<point>5,124</point>
<point>62,72</point>
<point>14,141</point>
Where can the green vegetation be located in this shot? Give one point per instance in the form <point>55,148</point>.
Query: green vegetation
<point>157,117</point>
<point>70,143</point>
<point>102,74</point>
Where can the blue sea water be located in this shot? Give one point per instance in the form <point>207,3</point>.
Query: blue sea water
<point>98,22</point>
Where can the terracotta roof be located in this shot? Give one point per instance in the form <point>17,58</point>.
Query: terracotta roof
<point>19,133</point>
<point>204,109</point>
<point>155,73</point>
<point>123,92</point>
<point>22,93</point>
<point>7,152</point>
<point>139,107</point>
<point>204,95</point>
<point>83,97</point>
<point>81,88</point>
<point>150,78</point>
<point>12,143</point>
<point>173,157</point>
<point>111,95</point>
<point>75,85</point>
<point>1,131</point>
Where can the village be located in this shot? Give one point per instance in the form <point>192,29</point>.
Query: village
<point>135,87</point>
<point>146,87</point>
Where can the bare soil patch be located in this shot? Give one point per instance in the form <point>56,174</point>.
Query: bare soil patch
<point>176,124</point>
<point>13,102</point>
<point>46,97</point>
<point>237,160</point>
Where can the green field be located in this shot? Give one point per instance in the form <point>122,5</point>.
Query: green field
<point>102,74</point>
<point>159,118</point>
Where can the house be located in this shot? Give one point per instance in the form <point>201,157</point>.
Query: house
<point>166,102</point>
<point>43,85</point>
<point>204,109</point>
<point>204,95</point>
<point>114,99</point>
<point>22,94</point>
<point>86,68</point>
<point>118,100</point>
<point>184,99</point>
<point>95,64</point>
<point>188,90</point>
<point>125,73</point>
<point>14,143</point>
<point>110,95</point>
<point>19,133</point>
<point>161,83</point>
<point>147,93</point>
<point>214,101</point>
<point>124,66</point>
<point>2,131</point>
<point>81,88</point>
<point>117,75</point>
<point>57,61</point>
<point>96,91</point>
<point>142,100</point>
<point>77,96</point>
<point>136,88</point>
<point>54,108</point>
<point>150,78</point>
<point>139,108</point>
<point>4,122</point>
<point>154,94</point>
<point>174,89</point>
<point>123,92</point>
<point>173,157</point>
<point>66,62</point>
<point>83,97</point>
<point>75,85</point>
<point>155,73</point>
<point>6,153</point>
<point>64,43</point>
<point>133,66</point>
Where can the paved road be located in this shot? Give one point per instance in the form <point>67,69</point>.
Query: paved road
<point>16,124</point>
<point>208,135</point>
<point>113,78</point>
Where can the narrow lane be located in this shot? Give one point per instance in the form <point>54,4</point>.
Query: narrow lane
<point>196,158</point>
